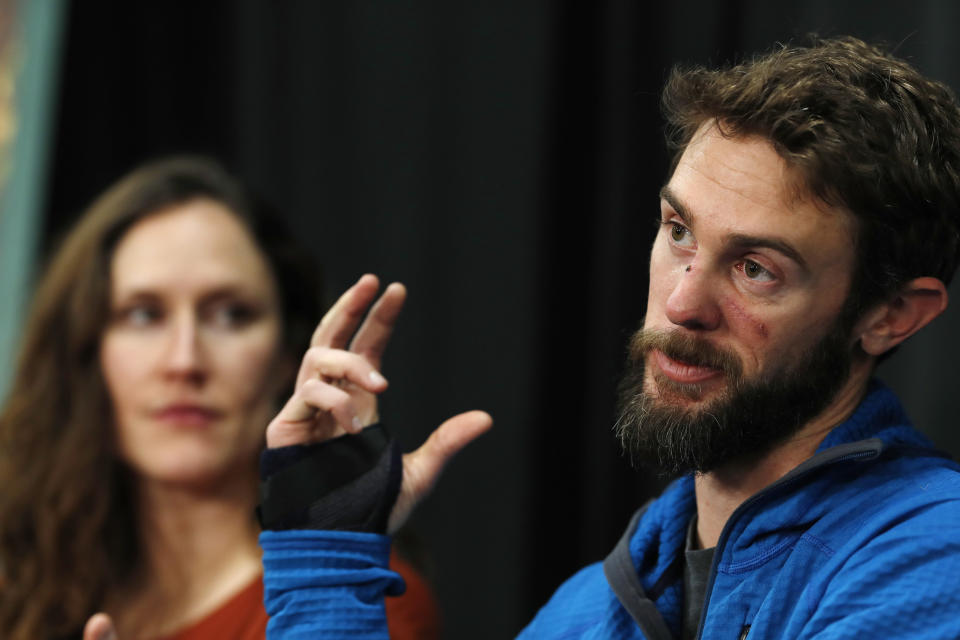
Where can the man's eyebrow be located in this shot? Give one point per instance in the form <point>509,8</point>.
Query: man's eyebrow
<point>776,244</point>
<point>737,239</point>
<point>667,194</point>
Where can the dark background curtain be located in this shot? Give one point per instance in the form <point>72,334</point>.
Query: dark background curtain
<point>500,158</point>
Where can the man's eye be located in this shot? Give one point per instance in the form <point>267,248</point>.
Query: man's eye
<point>678,232</point>
<point>755,272</point>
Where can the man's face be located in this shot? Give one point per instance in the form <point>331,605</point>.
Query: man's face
<point>747,282</point>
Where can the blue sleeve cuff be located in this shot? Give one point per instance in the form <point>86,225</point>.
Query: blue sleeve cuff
<point>327,583</point>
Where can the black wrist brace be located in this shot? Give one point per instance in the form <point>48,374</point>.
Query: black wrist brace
<point>349,483</point>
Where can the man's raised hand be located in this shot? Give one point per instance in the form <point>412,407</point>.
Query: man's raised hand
<point>338,382</point>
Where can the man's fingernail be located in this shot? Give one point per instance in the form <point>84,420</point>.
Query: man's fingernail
<point>376,378</point>
<point>357,425</point>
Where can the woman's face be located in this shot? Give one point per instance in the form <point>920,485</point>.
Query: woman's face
<point>190,354</point>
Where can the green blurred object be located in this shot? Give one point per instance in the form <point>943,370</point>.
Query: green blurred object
<point>30,43</point>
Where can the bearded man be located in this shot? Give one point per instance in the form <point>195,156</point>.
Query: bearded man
<point>809,226</point>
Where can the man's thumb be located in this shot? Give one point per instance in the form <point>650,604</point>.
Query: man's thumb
<point>422,468</point>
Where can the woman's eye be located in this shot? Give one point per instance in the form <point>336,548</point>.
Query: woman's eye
<point>141,316</point>
<point>755,272</point>
<point>233,315</point>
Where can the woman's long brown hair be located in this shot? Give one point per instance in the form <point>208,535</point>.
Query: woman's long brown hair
<point>67,526</point>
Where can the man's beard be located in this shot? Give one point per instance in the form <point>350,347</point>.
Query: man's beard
<point>747,419</point>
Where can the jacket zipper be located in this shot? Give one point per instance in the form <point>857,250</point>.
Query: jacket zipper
<point>789,478</point>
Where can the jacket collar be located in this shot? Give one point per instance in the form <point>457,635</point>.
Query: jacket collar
<point>879,415</point>
<point>653,544</point>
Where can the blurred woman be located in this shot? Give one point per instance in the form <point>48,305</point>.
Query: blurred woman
<point>159,341</point>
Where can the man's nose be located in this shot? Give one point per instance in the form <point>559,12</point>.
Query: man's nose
<point>184,358</point>
<point>692,303</point>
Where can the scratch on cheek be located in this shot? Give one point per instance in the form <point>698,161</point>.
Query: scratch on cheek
<point>755,325</point>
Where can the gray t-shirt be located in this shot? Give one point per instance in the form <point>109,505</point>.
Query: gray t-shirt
<point>696,572</point>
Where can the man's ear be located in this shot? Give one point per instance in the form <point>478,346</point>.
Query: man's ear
<point>887,325</point>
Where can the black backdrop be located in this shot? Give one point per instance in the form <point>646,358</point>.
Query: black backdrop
<point>500,158</point>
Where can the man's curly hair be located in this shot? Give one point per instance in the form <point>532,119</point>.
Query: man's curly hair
<point>864,131</point>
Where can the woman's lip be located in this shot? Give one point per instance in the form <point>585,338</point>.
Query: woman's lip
<point>187,414</point>
<point>682,372</point>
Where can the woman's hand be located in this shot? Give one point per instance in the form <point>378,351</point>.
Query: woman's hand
<point>338,383</point>
<point>99,627</point>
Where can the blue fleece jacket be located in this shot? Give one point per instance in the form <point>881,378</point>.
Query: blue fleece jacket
<point>860,541</point>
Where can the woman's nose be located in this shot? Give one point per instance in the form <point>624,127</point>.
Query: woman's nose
<point>184,357</point>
